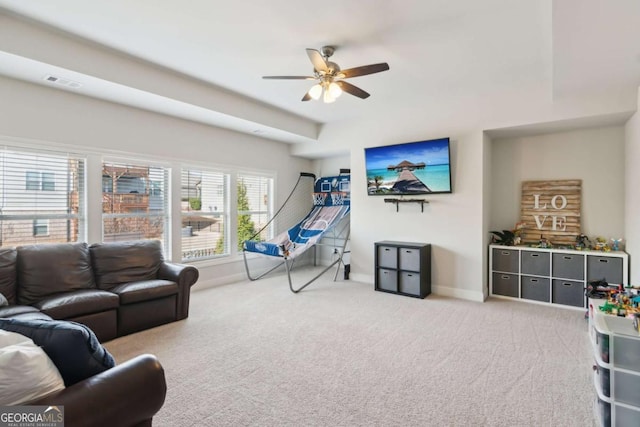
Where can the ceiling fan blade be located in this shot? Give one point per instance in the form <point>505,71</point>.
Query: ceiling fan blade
<point>353,90</point>
<point>289,77</point>
<point>306,97</point>
<point>319,64</point>
<point>364,70</point>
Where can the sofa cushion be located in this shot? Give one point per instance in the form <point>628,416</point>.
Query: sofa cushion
<point>49,269</point>
<point>8,259</point>
<point>72,347</point>
<point>145,290</point>
<point>26,372</point>
<point>3,301</point>
<point>115,263</point>
<point>14,310</point>
<point>78,303</point>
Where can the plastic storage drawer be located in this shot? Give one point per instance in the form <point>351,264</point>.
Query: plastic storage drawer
<point>626,388</point>
<point>505,284</point>
<point>387,256</point>
<point>607,268</point>
<point>409,283</point>
<point>626,353</point>
<point>535,263</point>
<point>505,260</point>
<point>613,415</point>
<point>567,292</point>
<point>568,266</point>
<point>388,280</point>
<point>409,259</point>
<point>535,288</point>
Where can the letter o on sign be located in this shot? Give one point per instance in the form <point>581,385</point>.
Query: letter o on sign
<point>554,202</point>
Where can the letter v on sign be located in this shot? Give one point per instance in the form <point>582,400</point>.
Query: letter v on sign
<point>538,223</point>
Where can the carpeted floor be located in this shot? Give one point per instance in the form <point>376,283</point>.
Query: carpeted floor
<point>341,354</point>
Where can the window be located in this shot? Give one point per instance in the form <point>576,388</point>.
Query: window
<point>40,227</point>
<point>255,207</point>
<point>48,181</point>
<point>44,181</point>
<point>55,215</point>
<point>204,207</point>
<point>32,180</point>
<point>134,202</point>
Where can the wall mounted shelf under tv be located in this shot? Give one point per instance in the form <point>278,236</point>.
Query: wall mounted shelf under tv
<point>398,201</point>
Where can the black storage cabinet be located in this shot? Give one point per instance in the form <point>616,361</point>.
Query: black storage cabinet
<point>403,268</point>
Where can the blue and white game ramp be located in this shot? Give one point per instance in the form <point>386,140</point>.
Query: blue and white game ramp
<point>332,203</point>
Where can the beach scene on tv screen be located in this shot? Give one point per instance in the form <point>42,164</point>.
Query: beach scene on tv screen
<point>412,168</point>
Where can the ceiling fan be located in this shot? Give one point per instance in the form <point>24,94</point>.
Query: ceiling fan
<point>329,76</point>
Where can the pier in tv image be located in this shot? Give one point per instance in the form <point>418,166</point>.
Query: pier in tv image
<point>421,167</point>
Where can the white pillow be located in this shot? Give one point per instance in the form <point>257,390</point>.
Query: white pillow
<point>26,372</point>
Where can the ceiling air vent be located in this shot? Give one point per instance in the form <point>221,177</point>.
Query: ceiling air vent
<point>63,82</point>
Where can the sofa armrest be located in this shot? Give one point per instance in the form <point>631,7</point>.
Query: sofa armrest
<point>128,394</point>
<point>185,276</point>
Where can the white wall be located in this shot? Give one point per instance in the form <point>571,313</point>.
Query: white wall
<point>36,113</point>
<point>594,155</point>
<point>632,201</point>
<point>451,223</point>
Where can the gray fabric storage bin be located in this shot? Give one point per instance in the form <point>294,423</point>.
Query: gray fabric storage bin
<point>387,256</point>
<point>535,288</point>
<point>568,266</point>
<point>505,260</point>
<point>505,284</point>
<point>535,263</point>
<point>568,292</point>
<point>607,268</point>
<point>409,259</point>
<point>409,283</point>
<point>387,279</point>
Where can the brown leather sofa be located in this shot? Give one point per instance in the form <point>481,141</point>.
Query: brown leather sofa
<point>114,288</point>
<point>129,394</point>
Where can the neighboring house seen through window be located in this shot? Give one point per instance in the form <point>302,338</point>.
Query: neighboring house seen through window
<point>49,211</point>
<point>134,202</point>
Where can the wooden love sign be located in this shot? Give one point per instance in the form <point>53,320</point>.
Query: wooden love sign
<point>551,209</point>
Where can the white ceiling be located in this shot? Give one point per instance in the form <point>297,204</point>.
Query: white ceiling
<point>440,52</point>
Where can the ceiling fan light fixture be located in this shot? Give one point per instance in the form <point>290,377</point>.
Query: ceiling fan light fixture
<point>329,76</point>
<point>328,98</point>
<point>335,90</point>
<point>315,91</point>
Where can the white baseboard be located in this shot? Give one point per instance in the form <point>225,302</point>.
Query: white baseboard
<point>219,281</point>
<point>465,294</point>
<point>444,291</point>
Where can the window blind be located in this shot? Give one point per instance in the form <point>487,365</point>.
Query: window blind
<point>42,197</point>
<point>204,212</point>
<point>255,207</point>
<point>135,202</point>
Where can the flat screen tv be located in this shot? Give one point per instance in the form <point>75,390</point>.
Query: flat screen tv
<point>410,168</point>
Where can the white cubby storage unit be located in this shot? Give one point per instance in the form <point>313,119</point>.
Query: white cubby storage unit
<point>616,350</point>
<point>554,276</point>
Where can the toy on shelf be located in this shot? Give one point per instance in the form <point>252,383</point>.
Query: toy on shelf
<point>621,301</point>
<point>616,244</point>
<point>582,242</point>
<point>601,245</point>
